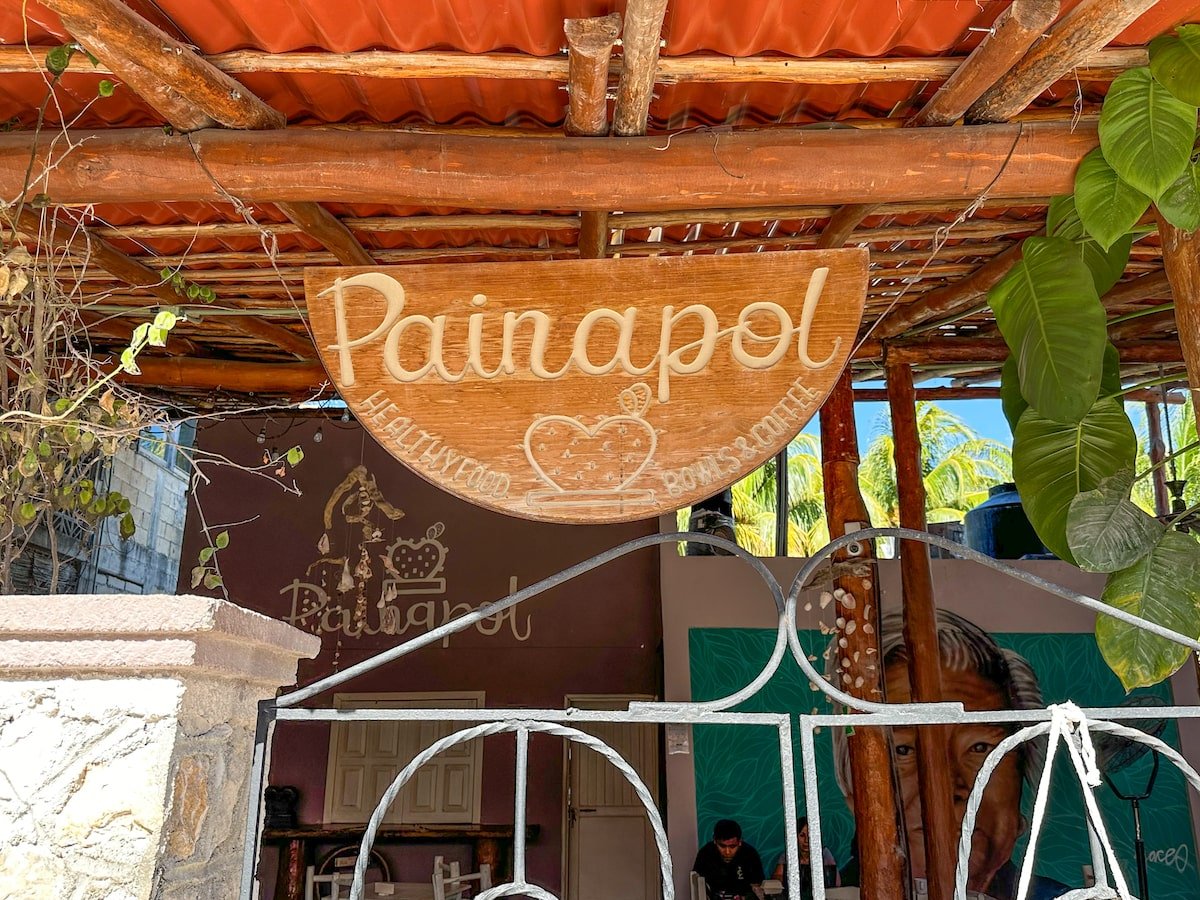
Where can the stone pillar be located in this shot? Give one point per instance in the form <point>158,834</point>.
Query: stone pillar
<point>126,733</point>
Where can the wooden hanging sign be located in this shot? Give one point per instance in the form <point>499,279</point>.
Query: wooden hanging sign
<point>589,390</point>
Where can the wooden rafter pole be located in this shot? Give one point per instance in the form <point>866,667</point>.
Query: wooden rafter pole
<point>189,92</point>
<point>946,302</point>
<point>842,224</point>
<point>1081,32</point>
<point>1011,36</point>
<point>105,256</point>
<point>735,169</point>
<point>589,52</point>
<point>639,47</point>
<point>921,638</point>
<point>690,69</point>
<point>967,349</point>
<point>233,376</point>
<point>321,225</point>
<point>1181,257</point>
<point>875,814</point>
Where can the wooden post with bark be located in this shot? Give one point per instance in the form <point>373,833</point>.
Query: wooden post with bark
<point>881,856</point>
<point>921,638</point>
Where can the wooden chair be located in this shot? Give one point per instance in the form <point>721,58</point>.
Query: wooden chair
<point>450,884</point>
<point>699,888</point>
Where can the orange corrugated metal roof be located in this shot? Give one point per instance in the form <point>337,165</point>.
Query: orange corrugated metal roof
<point>799,29</point>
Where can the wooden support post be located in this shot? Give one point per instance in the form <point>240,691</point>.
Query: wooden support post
<point>921,639</point>
<point>1158,452</point>
<point>593,234</point>
<point>639,46</point>
<point>1181,257</point>
<point>1082,31</point>
<point>880,853</point>
<point>1012,34</point>
<point>589,50</point>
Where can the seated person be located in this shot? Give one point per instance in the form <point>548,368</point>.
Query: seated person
<point>731,868</point>
<point>828,863</point>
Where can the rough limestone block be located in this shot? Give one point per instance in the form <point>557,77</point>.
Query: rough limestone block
<point>126,734</point>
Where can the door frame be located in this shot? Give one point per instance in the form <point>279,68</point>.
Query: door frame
<point>595,701</point>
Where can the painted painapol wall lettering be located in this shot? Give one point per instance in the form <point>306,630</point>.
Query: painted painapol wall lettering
<point>589,390</point>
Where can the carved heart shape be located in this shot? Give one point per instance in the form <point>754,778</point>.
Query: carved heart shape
<point>417,560</point>
<point>609,455</point>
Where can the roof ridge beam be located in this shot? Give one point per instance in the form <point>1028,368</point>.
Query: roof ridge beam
<point>698,168</point>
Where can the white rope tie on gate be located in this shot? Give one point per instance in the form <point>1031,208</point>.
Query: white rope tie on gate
<point>1069,726</point>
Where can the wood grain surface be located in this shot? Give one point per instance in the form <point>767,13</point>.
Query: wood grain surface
<point>589,390</point>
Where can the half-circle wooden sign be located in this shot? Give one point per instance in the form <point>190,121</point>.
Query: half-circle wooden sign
<point>589,390</point>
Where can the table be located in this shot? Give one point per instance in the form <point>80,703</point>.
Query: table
<point>491,844</point>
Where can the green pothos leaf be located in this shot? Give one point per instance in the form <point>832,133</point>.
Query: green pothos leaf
<point>1180,203</point>
<point>1175,62</point>
<point>1162,587</point>
<point>1011,401</point>
<point>1106,530</point>
<point>1146,132</point>
<point>1054,461</point>
<point>1108,207</point>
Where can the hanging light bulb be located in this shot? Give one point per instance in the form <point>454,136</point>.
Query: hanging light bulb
<point>346,414</point>
<point>319,436</point>
<point>262,435</point>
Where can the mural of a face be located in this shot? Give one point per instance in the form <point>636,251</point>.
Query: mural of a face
<point>999,821</point>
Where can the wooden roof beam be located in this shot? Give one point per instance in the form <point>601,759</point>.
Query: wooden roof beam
<point>1013,33</point>
<point>698,168</point>
<point>934,351</point>
<point>229,375</point>
<point>1081,32</point>
<point>640,43</point>
<point>176,81</point>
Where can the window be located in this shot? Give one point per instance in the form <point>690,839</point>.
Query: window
<point>170,443</point>
<point>365,757</point>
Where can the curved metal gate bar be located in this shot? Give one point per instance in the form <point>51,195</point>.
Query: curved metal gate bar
<point>716,712</point>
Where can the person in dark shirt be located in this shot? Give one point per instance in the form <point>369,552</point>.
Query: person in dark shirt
<point>731,868</point>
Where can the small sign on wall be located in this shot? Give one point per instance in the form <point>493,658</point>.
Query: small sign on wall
<point>589,390</point>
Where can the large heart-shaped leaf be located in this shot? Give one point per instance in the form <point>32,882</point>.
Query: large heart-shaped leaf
<point>1054,461</point>
<point>1106,530</point>
<point>1051,318</point>
<point>1108,207</point>
<point>1110,372</point>
<point>1162,587</point>
<point>1011,401</point>
<point>1180,203</point>
<point>1175,62</point>
<point>1146,132</point>
<point>1107,266</point>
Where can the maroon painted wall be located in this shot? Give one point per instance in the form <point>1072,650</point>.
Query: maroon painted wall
<point>599,633</point>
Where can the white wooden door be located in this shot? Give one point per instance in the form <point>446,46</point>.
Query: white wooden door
<point>610,847</point>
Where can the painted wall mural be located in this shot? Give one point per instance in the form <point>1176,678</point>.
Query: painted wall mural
<point>737,769</point>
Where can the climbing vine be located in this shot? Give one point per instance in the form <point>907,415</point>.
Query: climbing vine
<point>1074,447</point>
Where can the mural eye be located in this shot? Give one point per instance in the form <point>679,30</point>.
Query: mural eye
<point>904,750</point>
<point>981,747</point>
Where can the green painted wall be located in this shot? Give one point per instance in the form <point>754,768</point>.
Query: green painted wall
<point>738,772</point>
